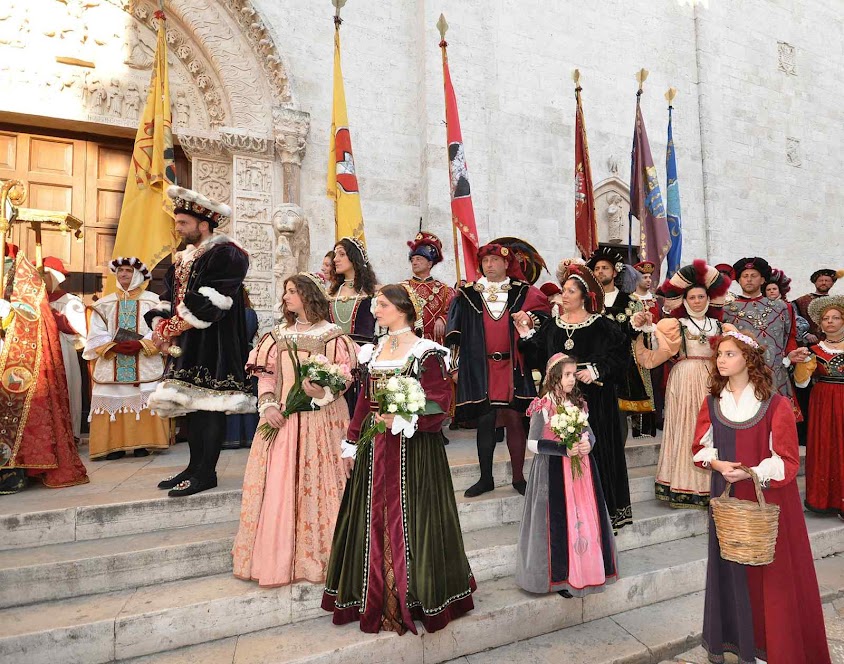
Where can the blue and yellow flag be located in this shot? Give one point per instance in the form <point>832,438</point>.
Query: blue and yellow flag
<point>675,227</point>
<point>145,229</point>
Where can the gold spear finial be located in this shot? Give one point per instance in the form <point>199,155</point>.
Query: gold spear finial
<point>442,26</point>
<point>642,76</point>
<point>575,76</point>
<point>672,92</point>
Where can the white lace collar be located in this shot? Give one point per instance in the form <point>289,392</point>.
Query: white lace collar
<point>422,346</point>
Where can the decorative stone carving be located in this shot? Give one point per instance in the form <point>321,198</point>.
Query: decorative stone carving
<point>182,109</point>
<point>261,294</point>
<point>787,58</point>
<point>139,55</point>
<point>254,237</point>
<point>242,141</point>
<point>293,248</point>
<point>612,208</point>
<point>253,209</point>
<point>615,218</point>
<point>792,152</point>
<point>132,101</point>
<point>290,131</point>
<point>612,164</point>
<point>202,145</point>
<point>253,175</point>
<point>213,179</point>
<point>262,42</point>
<point>115,99</point>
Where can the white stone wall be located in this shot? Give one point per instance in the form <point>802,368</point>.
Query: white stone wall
<point>511,63</point>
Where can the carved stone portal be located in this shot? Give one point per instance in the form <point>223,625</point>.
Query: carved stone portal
<point>234,111</point>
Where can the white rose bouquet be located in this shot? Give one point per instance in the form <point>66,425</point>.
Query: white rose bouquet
<point>568,424</point>
<point>404,398</point>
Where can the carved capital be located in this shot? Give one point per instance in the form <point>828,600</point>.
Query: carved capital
<point>290,132</point>
<point>241,141</point>
<point>203,145</point>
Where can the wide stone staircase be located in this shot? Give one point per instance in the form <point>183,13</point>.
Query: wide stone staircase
<point>116,571</point>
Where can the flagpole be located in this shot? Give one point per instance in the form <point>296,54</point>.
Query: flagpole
<point>338,5</point>
<point>442,26</point>
<point>641,76</point>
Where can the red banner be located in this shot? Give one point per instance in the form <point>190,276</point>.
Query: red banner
<point>585,224</point>
<point>462,212</point>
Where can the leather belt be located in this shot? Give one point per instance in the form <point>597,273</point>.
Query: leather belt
<point>498,357</point>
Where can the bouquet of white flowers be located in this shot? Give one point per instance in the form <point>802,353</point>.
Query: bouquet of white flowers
<point>404,398</point>
<point>568,424</point>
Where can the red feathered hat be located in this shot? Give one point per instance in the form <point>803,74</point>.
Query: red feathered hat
<point>570,268</point>
<point>726,268</point>
<point>700,275</point>
<point>550,288</point>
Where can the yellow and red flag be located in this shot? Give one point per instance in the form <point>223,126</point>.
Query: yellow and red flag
<point>342,177</point>
<point>145,229</point>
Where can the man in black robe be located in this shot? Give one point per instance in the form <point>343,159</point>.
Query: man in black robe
<point>204,316</point>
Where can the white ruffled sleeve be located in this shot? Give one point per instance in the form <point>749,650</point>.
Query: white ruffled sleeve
<point>708,453</point>
<point>771,468</point>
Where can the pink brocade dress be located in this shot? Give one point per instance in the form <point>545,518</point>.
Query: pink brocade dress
<point>293,483</point>
<point>565,540</point>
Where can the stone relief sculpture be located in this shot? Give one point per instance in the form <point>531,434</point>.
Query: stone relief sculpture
<point>132,101</point>
<point>182,109</point>
<point>293,237</point>
<point>615,216</point>
<point>138,54</point>
<point>115,99</point>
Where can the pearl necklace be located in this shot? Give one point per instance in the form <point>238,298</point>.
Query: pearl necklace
<point>296,325</point>
<point>394,337</point>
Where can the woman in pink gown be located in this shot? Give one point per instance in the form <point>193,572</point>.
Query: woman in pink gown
<point>294,480</point>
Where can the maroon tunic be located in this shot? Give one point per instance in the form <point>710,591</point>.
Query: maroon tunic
<point>772,612</point>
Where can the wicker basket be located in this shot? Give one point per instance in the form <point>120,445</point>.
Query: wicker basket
<point>747,531</point>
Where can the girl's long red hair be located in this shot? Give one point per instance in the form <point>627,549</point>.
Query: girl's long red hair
<point>761,376</point>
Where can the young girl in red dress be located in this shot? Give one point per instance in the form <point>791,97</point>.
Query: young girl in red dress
<point>770,613</point>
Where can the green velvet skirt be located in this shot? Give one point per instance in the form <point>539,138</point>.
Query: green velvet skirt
<point>398,536</point>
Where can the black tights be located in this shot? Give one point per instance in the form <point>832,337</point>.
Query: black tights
<point>516,441</point>
<point>206,432</point>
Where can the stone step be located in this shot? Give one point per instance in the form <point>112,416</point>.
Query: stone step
<point>134,505</point>
<point>76,569</point>
<point>647,635</point>
<point>503,615</point>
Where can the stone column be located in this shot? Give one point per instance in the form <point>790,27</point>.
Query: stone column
<point>290,131</point>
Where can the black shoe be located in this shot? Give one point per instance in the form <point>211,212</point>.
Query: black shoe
<point>520,486</point>
<point>478,488</point>
<point>111,456</point>
<point>141,452</point>
<point>231,445</point>
<point>191,486</point>
<point>564,593</point>
<point>453,426</point>
<point>173,480</point>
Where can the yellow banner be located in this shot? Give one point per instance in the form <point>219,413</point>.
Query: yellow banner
<point>145,228</point>
<point>342,178</point>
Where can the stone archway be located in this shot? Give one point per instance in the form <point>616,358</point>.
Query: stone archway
<point>235,112</point>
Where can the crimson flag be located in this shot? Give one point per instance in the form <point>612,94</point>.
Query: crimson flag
<point>462,212</point>
<point>585,224</point>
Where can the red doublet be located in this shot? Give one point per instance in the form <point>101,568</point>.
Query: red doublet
<point>437,297</point>
<point>499,371</point>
